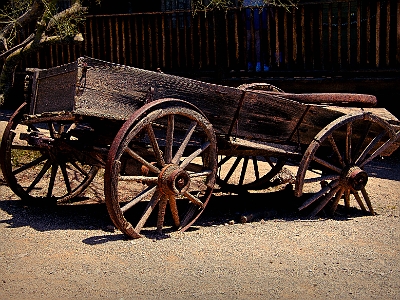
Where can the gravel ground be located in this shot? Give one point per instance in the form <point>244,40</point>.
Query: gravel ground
<point>71,251</point>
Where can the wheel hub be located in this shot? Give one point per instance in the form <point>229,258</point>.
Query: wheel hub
<point>354,177</point>
<point>173,180</point>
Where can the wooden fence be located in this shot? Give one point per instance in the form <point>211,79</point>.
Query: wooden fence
<point>349,35</point>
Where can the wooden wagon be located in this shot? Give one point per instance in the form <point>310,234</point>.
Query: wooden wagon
<point>166,141</point>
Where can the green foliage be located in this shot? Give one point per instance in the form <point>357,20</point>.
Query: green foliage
<point>9,14</point>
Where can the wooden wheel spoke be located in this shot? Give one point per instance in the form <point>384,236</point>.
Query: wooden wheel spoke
<point>269,161</point>
<point>54,169</point>
<point>347,198</point>
<point>162,206</point>
<point>195,154</point>
<point>319,194</point>
<point>324,201</point>
<point>367,200</point>
<point>336,150</point>
<point>185,142</point>
<point>361,140</point>
<point>200,174</point>
<point>255,165</point>
<point>224,160</point>
<point>141,196</point>
<point>154,144</point>
<point>174,211</point>
<point>76,166</point>
<point>31,164</point>
<point>136,156</point>
<point>335,203</point>
<point>378,151</point>
<point>39,176</point>
<point>194,199</point>
<point>66,178</point>
<point>358,199</point>
<point>232,169</point>
<point>170,139</point>
<point>146,214</point>
<point>367,149</point>
<point>244,168</point>
<point>327,165</point>
<point>349,130</point>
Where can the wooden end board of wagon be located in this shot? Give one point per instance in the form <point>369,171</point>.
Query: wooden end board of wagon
<point>165,142</point>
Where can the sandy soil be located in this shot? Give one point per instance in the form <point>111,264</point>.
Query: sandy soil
<point>72,251</point>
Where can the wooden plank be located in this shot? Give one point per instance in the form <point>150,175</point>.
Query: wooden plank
<point>311,28</point>
<point>330,35</point>
<point>123,38</point>
<point>339,40</point>
<point>268,117</point>
<point>227,41</point>
<point>214,39</point>
<point>185,42</point>
<point>207,46</point>
<point>117,39</point>
<point>150,43</point>
<point>368,34</point>
<point>294,32</point>
<point>144,46</point>
<point>303,37</point>
<point>192,40</point>
<point>377,32</point>
<point>236,36</point>
<point>130,50</point>
<point>163,44</point>
<point>136,41</point>
<point>358,32</point>
<point>321,37</point>
<point>277,46</point>
<point>285,38</point>
<point>398,33</point>
<point>178,45</point>
<point>348,38</point>
<point>170,41</point>
<point>156,39</point>
<point>111,41</point>
<point>387,33</point>
<point>199,41</point>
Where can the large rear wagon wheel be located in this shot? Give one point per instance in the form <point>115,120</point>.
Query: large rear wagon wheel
<point>336,159</point>
<point>33,165</point>
<point>163,156</point>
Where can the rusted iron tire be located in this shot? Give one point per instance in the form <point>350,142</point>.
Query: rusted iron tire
<point>246,173</point>
<point>336,159</point>
<point>37,171</point>
<point>164,155</point>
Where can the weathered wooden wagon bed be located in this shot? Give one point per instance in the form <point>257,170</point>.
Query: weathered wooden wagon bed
<point>166,141</point>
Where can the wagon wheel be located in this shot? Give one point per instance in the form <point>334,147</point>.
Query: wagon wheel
<point>164,155</point>
<point>336,159</point>
<point>35,168</point>
<point>245,173</point>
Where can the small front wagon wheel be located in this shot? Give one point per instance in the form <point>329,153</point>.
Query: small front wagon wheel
<point>333,165</point>
<point>163,156</point>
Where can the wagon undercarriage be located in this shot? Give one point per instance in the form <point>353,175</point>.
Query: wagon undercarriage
<point>165,142</point>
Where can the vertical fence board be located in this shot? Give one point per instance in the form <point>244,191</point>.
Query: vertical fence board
<point>368,34</point>
<point>387,50</point>
<point>377,32</point>
<point>348,36</point>
<point>294,34</point>
<point>339,38</point>
<point>358,32</point>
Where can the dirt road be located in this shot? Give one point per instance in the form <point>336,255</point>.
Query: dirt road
<point>71,252</point>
